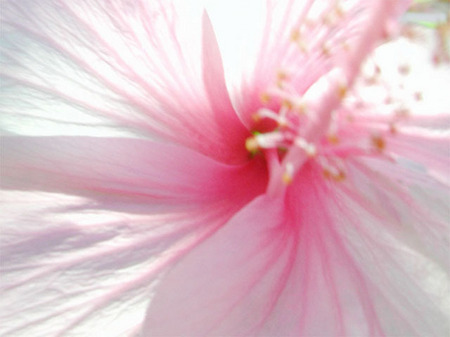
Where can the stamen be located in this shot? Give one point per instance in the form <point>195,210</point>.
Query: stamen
<point>271,140</point>
<point>282,76</point>
<point>287,96</point>
<point>307,121</point>
<point>295,35</point>
<point>333,139</point>
<point>309,148</point>
<point>265,98</point>
<point>342,90</point>
<point>279,118</point>
<point>287,104</point>
<point>297,39</point>
<point>288,174</point>
<point>333,171</point>
<point>256,117</point>
<point>251,145</point>
<point>326,49</point>
<point>378,143</point>
<point>266,113</point>
<point>336,175</point>
<point>301,108</point>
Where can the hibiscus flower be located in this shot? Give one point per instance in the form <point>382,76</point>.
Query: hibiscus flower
<point>168,174</point>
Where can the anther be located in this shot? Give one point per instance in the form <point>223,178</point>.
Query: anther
<point>334,174</point>
<point>288,174</point>
<point>301,108</point>
<point>333,139</point>
<point>288,104</point>
<point>302,46</point>
<point>282,76</point>
<point>326,50</point>
<point>265,98</point>
<point>295,35</point>
<point>378,143</point>
<point>256,117</point>
<point>251,144</point>
<point>342,90</point>
<point>339,11</point>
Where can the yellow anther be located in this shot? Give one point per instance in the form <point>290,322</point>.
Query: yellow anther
<point>265,98</point>
<point>281,75</point>
<point>326,173</point>
<point>333,139</point>
<point>301,108</point>
<point>256,117</point>
<point>287,178</point>
<point>288,174</point>
<point>340,176</point>
<point>339,11</point>
<point>378,143</point>
<point>251,144</point>
<point>288,104</point>
<point>302,46</point>
<point>342,90</point>
<point>295,35</point>
<point>326,50</point>
<point>337,176</point>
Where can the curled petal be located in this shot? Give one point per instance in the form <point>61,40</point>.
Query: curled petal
<point>132,66</point>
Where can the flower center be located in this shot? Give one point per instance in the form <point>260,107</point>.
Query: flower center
<point>292,126</point>
<point>300,129</point>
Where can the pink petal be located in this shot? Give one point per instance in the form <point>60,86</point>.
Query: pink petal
<point>228,285</point>
<point>271,271</point>
<point>133,168</point>
<point>312,263</point>
<point>134,66</point>
<point>71,266</point>
<point>398,237</point>
<point>232,131</point>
